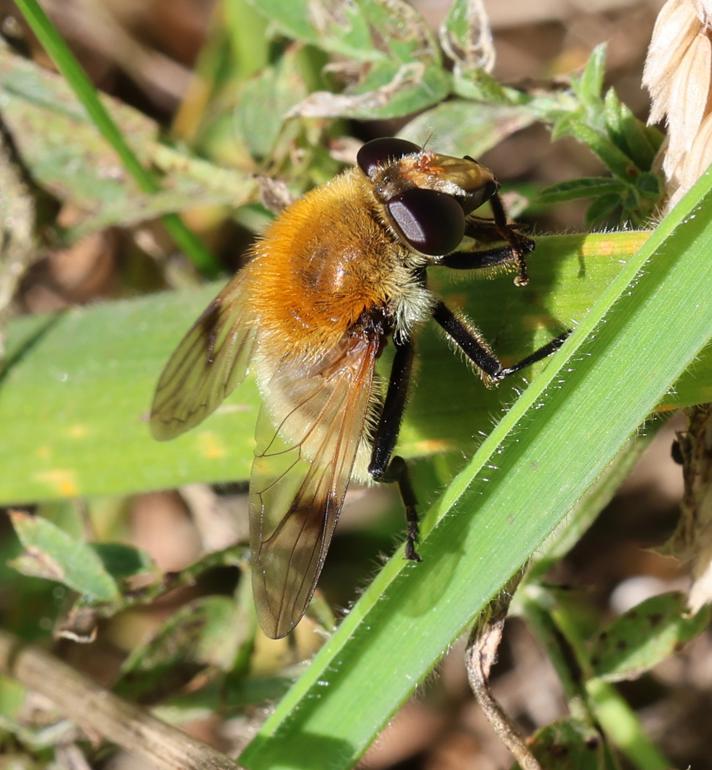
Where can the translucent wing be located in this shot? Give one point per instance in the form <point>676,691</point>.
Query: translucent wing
<point>300,475</point>
<point>206,366</point>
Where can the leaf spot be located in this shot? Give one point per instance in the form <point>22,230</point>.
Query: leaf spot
<point>61,480</point>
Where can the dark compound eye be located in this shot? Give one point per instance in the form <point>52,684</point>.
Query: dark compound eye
<point>432,222</point>
<point>379,151</point>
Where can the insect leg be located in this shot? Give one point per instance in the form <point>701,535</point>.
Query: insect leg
<point>519,243</point>
<point>479,352</point>
<point>383,467</point>
<point>486,230</point>
<point>473,260</point>
<point>397,472</point>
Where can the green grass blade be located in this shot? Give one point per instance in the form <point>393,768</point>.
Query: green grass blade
<point>640,335</point>
<point>83,379</point>
<point>67,64</point>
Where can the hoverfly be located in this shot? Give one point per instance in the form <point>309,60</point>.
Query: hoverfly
<point>339,273</point>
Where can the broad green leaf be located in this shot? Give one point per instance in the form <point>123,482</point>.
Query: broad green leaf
<point>589,507</point>
<point>52,554</point>
<point>366,30</point>
<point>459,127</point>
<point>337,27</point>
<point>568,745</point>
<point>401,88</point>
<point>645,635</point>
<point>65,515</point>
<point>65,153</point>
<point>128,564</point>
<point>400,71</point>
<point>541,457</point>
<point>83,380</point>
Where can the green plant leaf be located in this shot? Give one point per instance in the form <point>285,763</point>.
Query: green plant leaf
<point>554,620</point>
<point>459,127</point>
<point>546,450</point>
<point>614,159</point>
<point>589,507</point>
<point>367,30</point>
<point>83,379</point>
<point>400,70</point>
<point>264,101</point>
<point>245,29</point>
<point>52,554</point>
<point>629,134</point>
<point>644,636</point>
<point>649,186</point>
<point>589,85</point>
<point>479,86</point>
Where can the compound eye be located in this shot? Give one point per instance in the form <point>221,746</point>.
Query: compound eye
<point>432,222</point>
<point>378,152</point>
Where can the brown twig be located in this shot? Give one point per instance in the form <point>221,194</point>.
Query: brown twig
<point>481,655</point>
<point>692,540</point>
<point>100,711</point>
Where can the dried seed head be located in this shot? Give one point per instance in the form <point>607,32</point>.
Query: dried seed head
<point>678,74</point>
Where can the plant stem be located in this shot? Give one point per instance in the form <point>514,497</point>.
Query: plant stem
<point>99,710</point>
<point>481,655</point>
<point>498,720</point>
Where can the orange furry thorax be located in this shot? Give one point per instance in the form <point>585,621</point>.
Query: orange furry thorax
<point>323,262</point>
